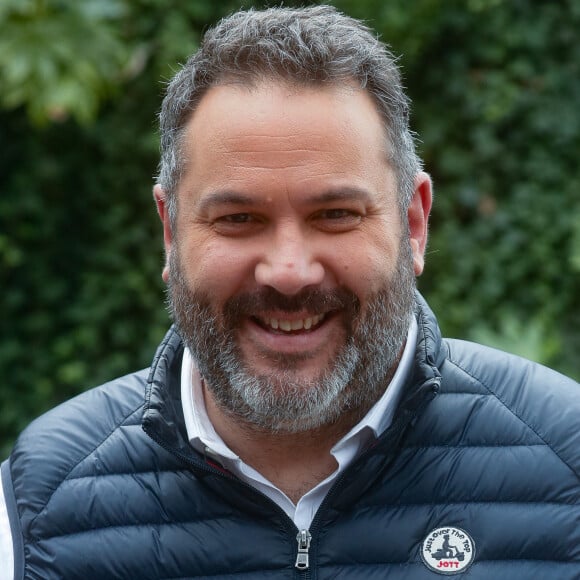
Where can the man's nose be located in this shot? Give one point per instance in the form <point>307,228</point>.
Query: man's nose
<point>289,263</point>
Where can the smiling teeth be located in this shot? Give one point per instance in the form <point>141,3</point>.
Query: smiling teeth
<point>288,325</point>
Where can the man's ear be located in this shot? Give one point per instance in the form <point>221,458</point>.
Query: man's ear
<point>418,216</point>
<point>163,211</point>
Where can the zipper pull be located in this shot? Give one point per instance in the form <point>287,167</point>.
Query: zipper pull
<point>303,538</point>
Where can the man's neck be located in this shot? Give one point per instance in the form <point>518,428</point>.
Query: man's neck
<point>294,462</point>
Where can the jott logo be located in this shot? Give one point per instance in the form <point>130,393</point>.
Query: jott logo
<point>448,550</point>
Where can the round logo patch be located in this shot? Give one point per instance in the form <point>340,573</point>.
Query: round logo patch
<point>448,550</point>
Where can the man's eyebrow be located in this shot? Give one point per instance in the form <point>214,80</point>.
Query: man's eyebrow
<point>227,197</point>
<point>335,194</point>
<point>346,193</point>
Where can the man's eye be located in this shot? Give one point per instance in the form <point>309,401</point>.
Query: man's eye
<point>237,218</point>
<point>335,214</point>
<point>237,224</point>
<point>337,219</point>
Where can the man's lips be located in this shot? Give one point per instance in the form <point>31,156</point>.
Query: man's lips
<point>297,333</point>
<point>282,324</point>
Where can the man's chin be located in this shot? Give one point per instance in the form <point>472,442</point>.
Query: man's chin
<point>300,363</point>
<point>296,369</point>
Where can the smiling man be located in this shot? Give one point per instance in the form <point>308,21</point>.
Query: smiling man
<point>285,188</point>
<point>303,418</point>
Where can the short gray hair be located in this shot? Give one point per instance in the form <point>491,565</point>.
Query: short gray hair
<point>311,46</point>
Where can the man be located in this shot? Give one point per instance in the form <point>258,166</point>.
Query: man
<point>304,418</point>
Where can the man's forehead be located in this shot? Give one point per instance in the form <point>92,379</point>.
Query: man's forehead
<point>353,109</point>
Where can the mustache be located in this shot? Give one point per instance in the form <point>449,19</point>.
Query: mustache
<point>312,300</point>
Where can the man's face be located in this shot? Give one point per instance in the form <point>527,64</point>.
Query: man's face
<point>290,273</point>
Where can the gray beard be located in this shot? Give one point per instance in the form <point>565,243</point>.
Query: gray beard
<point>281,401</point>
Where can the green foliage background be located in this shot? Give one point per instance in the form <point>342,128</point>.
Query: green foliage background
<point>496,91</point>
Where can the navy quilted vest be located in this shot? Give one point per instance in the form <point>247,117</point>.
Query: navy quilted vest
<point>478,477</point>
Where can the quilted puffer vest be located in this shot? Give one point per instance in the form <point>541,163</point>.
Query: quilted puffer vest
<point>477,477</point>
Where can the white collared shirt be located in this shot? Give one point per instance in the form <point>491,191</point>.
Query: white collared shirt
<point>204,438</point>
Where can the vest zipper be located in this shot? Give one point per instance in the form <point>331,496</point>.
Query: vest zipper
<point>303,538</point>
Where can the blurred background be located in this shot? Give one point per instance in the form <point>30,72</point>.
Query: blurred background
<point>496,92</point>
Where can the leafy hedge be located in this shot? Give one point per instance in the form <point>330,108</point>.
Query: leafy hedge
<point>496,87</point>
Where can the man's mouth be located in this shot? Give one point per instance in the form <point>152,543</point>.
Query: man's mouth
<point>290,325</point>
